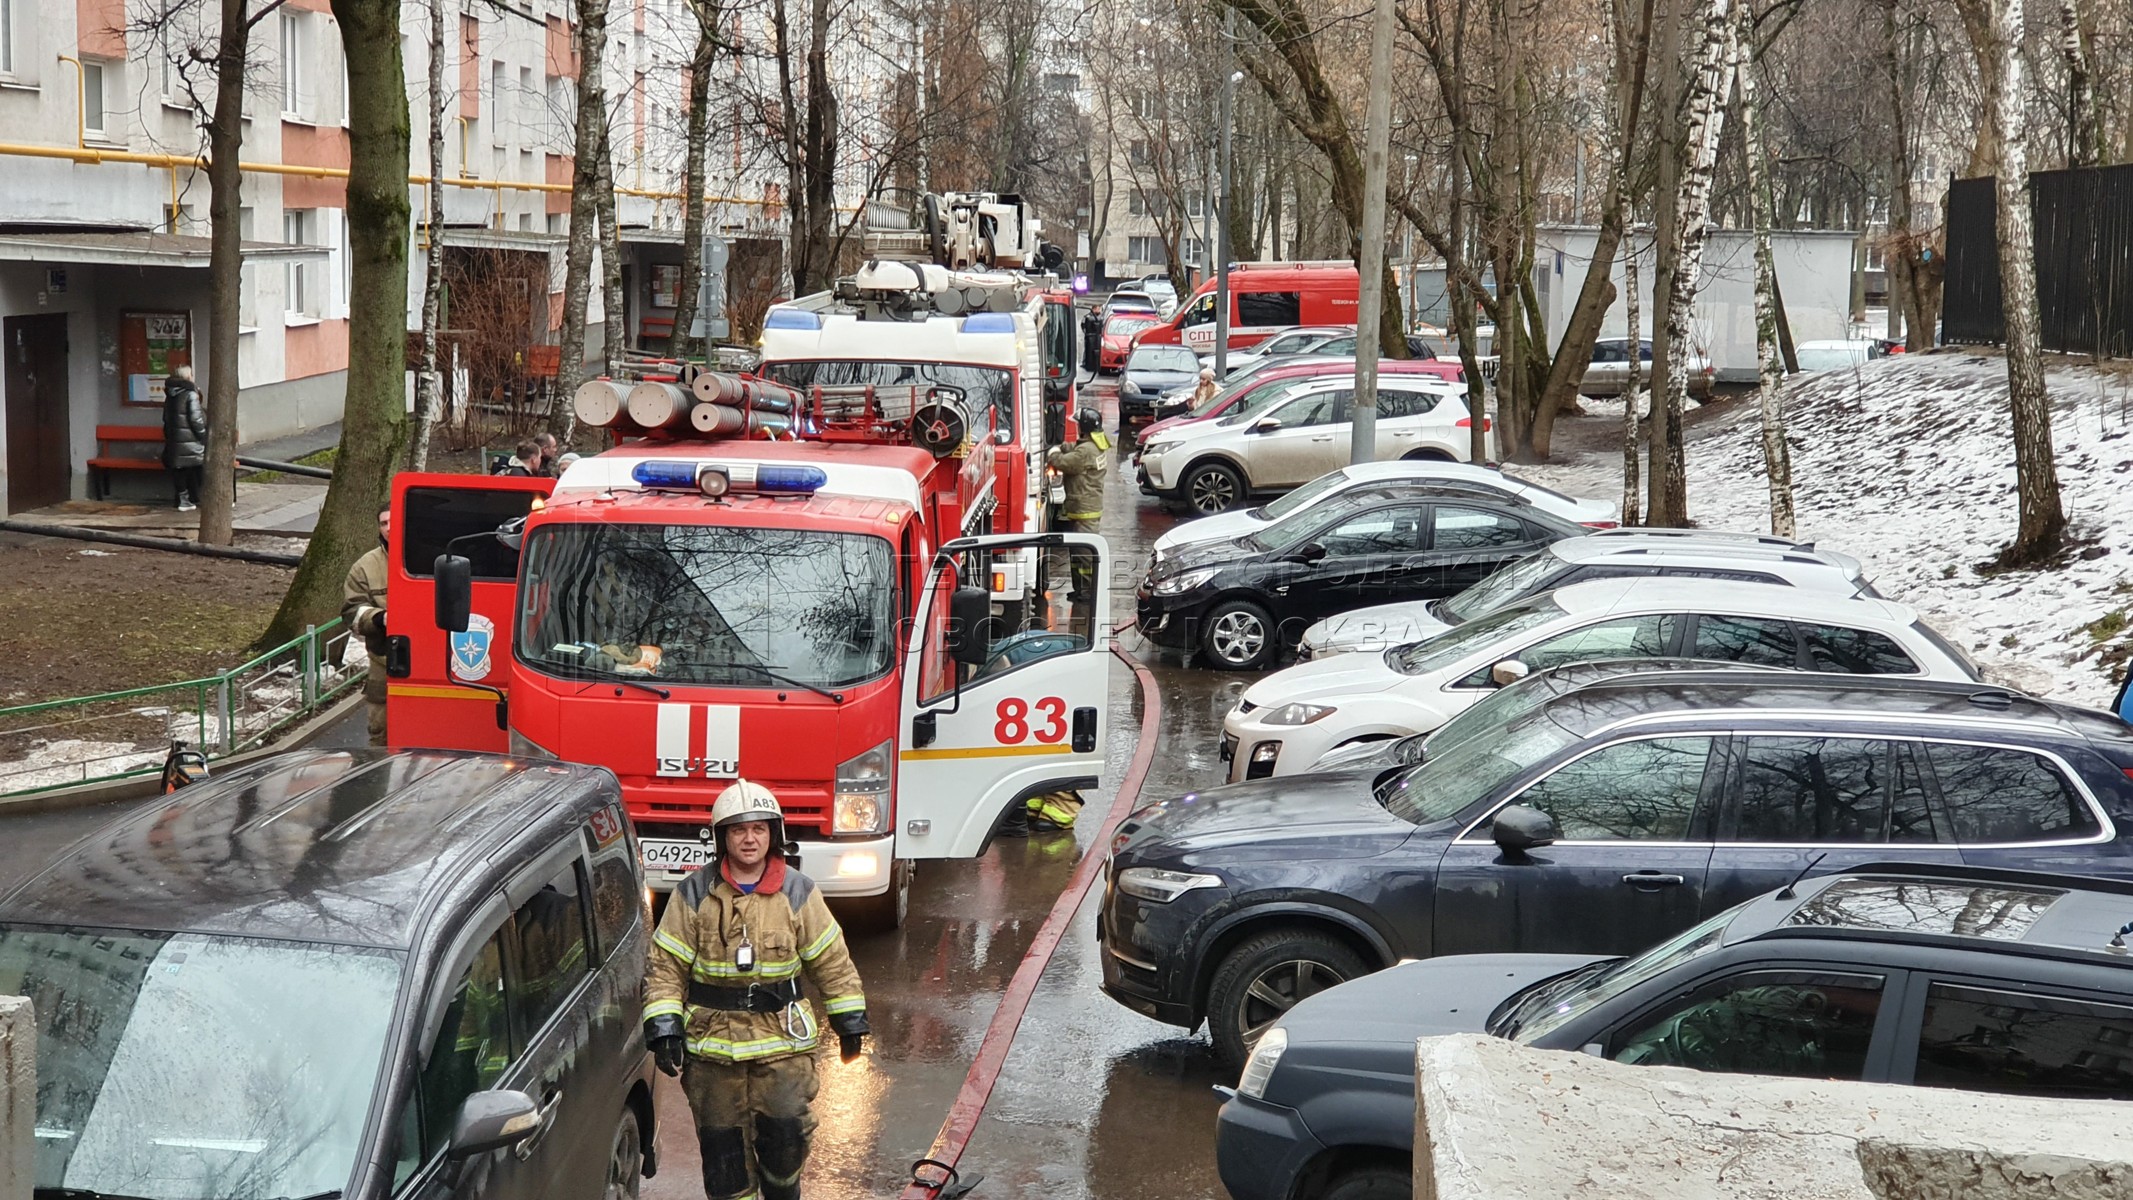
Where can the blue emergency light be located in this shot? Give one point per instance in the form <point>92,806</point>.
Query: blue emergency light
<point>989,323</point>
<point>666,476</point>
<point>716,479</point>
<point>789,479</point>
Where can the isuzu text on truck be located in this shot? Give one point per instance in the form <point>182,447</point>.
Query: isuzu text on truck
<point>717,597</point>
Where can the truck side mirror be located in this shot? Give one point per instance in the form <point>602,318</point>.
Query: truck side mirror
<point>455,592</point>
<point>969,624</point>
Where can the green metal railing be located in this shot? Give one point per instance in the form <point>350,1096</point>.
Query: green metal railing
<point>116,735</point>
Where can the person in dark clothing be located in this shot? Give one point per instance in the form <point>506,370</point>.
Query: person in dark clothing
<point>184,436</point>
<point>528,461</point>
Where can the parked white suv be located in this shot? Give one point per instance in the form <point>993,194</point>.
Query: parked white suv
<point>1215,466</point>
<point>1292,717</point>
<point>1607,554</point>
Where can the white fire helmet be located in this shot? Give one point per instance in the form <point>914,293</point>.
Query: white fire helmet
<point>748,801</point>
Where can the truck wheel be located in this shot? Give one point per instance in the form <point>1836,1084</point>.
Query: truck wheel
<point>625,1162</point>
<point>884,913</point>
<point>1267,976</point>
<point>1213,487</point>
<point>1238,635</point>
<point>1378,1182</point>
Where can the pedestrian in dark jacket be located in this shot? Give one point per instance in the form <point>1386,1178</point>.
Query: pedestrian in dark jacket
<point>184,436</point>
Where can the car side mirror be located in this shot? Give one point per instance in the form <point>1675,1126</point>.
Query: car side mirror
<point>1266,424</point>
<point>969,622</point>
<point>1518,829</point>
<point>1508,672</point>
<point>1308,553</point>
<point>455,592</point>
<point>493,1120</point>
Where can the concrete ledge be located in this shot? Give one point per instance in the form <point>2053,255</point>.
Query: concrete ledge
<point>1496,1121</point>
<point>18,1097</point>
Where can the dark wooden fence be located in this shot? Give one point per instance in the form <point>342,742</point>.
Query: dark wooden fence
<point>2084,254</point>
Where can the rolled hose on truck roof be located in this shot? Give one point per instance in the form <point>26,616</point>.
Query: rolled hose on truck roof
<point>716,404</point>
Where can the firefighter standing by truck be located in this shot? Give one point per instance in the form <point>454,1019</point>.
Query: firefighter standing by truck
<point>363,609</point>
<point>723,1008</point>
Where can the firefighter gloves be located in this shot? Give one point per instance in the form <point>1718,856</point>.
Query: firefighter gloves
<point>848,1046</point>
<point>667,1052</point>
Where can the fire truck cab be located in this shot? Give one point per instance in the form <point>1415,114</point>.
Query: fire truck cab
<point>812,615</point>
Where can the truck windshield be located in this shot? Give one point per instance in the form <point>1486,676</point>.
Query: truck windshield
<point>706,604</point>
<point>183,1066</point>
<point>984,387</point>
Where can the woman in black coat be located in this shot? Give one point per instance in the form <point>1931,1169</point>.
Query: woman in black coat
<point>184,436</point>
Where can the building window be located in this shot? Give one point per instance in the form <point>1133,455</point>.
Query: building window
<point>92,96</point>
<point>496,105</point>
<point>295,223</point>
<point>1137,203</point>
<point>292,59</point>
<point>1146,250</point>
<point>7,36</point>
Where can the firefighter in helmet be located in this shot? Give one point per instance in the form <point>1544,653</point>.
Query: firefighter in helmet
<point>723,1008</point>
<point>1083,512</point>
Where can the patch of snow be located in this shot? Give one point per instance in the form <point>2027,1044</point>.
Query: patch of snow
<point>1907,463</point>
<point>96,553</point>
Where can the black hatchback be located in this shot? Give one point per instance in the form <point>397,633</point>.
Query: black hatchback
<point>1956,977</point>
<point>336,974</point>
<point>1597,820</point>
<point>1240,603</point>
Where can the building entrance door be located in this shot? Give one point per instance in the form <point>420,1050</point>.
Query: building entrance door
<point>38,467</point>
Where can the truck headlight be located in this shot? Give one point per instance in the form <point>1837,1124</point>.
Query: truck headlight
<point>524,747</point>
<point>1180,584</point>
<point>1259,1069</point>
<point>862,801</point>
<point>1297,714</point>
<point>1161,886</point>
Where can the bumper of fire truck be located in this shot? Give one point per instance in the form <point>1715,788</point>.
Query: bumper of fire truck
<point>840,867</point>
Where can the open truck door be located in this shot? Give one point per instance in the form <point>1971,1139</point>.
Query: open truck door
<point>992,715</point>
<point>446,687</point>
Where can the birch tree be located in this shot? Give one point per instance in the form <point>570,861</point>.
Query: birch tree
<point>1633,397</point>
<point>1915,265</point>
<point>1769,369</point>
<point>1703,121</point>
<point>2084,127</point>
<point>427,381</point>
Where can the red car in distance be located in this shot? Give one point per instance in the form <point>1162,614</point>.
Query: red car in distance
<point>1118,338</point>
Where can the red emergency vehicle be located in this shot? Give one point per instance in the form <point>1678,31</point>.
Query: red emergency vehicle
<point>812,614</point>
<point>1264,298</point>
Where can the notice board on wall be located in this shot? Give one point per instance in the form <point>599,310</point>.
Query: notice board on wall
<point>150,345</point>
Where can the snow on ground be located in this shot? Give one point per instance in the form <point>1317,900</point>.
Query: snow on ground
<point>1908,463</point>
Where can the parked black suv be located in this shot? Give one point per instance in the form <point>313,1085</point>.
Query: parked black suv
<point>1990,981</point>
<point>345,973</point>
<point>1596,822</point>
<point>1240,603</point>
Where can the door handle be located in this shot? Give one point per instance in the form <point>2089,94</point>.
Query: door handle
<point>1084,730</point>
<point>1645,881</point>
<point>549,1104</point>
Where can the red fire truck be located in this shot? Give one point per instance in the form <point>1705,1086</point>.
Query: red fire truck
<point>813,614</point>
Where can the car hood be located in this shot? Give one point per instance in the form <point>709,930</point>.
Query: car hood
<point>1266,814</point>
<point>1221,527</point>
<point>1377,628</point>
<point>1435,996</point>
<point>1340,675</point>
<point>1156,381</point>
<point>1216,553</point>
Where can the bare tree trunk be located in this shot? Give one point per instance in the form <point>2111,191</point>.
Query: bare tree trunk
<point>615,328</point>
<point>427,381</point>
<point>2043,521</point>
<point>1777,457</point>
<point>1661,491</point>
<point>2084,131</point>
<point>225,139</point>
<point>591,41</point>
<point>374,422</point>
<point>1705,120</point>
<point>692,186</point>
<point>1633,398</point>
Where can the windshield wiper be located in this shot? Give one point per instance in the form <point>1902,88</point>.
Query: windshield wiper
<point>68,1193</point>
<point>578,670</point>
<point>774,676</point>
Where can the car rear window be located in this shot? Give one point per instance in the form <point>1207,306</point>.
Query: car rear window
<point>1999,794</point>
<point>1854,651</point>
<point>1984,1040</point>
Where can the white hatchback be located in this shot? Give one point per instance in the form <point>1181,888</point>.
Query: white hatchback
<point>1289,719</point>
<point>1215,466</point>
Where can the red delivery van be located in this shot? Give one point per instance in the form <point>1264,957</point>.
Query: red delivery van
<point>1264,299</point>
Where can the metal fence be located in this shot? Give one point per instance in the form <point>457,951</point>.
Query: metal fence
<point>92,739</point>
<point>2084,256</point>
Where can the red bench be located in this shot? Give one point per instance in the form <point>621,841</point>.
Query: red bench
<point>112,438</point>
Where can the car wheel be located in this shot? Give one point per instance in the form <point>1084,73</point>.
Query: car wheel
<point>1267,976</point>
<point>1429,456</point>
<point>1372,1183</point>
<point>1237,635</point>
<point>1213,487</point>
<point>884,913</point>
<point>625,1163</point>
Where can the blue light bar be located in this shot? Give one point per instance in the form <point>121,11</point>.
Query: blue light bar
<point>989,323</point>
<point>666,476</point>
<point>790,480</point>
<point>791,318</point>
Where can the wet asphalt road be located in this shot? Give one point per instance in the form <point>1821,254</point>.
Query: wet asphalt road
<point>1095,1100</point>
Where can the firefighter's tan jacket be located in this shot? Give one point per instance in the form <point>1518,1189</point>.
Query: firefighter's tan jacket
<point>363,608</point>
<point>1083,466</point>
<point>793,935</point>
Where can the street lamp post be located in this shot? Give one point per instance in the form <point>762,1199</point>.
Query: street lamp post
<point>1221,238</point>
<point>1370,294</point>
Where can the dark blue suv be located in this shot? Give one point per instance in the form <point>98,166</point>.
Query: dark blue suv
<point>1593,819</point>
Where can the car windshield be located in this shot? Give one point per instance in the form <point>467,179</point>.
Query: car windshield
<point>1498,588</point>
<point>732,606</point>
<point>1293,529</point>
<point>1829,358</point>
<point>1250,393</point>
<point>1503,625</point>
<point>1163,358</point>
<point>1444,785</point>
<point>1495,710</point>
<point>179,1066</point>
<point>982,387</point>
<point>1545,1006</point>
<point>1304,496</point>
<point>1122,326</point>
